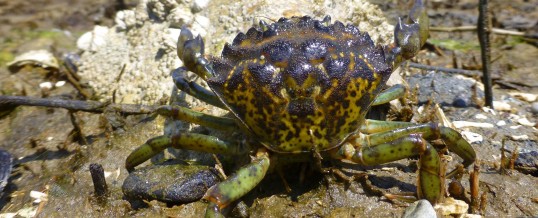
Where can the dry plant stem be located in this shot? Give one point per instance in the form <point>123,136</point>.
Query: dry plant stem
<point>77,130</point>
<point>74,81</point>
<point>474,28</point>
<point>76,105</point>
<point>483,202</point>
<point>485,51</point>
<point>474,181</point>
<point>502,168</point>
<point>512,160</point>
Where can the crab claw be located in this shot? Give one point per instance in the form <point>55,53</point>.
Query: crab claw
<point>191,51</point>
<point>411,35</point>
<point>184,35</point>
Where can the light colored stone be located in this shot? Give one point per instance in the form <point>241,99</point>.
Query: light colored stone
<point>452,206</point>
<point>199,5</point>
<point>93,40</point>
<point>502,106</point>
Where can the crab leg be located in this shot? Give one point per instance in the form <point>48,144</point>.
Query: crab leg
<point>190,141</point>
<point>386,131</point>
<point>191,116</point>
<point>237,185</point>
<point>429,178</point>
<point>394,92</point>
<point>194,89</point>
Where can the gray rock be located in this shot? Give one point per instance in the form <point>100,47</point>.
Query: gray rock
<point>445,89</point>
<point>6,165</point>
<point>419,209</point>
<point>170,182</point>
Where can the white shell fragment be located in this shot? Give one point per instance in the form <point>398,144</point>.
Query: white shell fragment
<point>472,137</point>
<point>38,196</point>
<point>45,85</point>
<point>528,97</point>
<point>525,122</point>
<point>462,124</point>
<point>481,116</point>
<point>501,123</point>
<point>501,106</point>
<point>519,137</point>
<point>39,58</point>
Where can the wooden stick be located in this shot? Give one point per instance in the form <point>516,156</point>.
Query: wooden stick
<point>76,105</point>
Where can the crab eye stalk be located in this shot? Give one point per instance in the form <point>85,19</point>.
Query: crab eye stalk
<point>264,25</point>
<point>326,20</point>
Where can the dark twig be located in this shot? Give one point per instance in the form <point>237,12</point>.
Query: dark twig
<point>72,78</point>
<point>99,182</point>
<point>471,73</point>
<point>483,38</point>
<point>76,105</point>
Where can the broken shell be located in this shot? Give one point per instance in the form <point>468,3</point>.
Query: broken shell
<point>528,97</point>
<point>472,137</point>
<point>525,122</point>
<point>501,106</point>
<point>462,124</point>
<point>39,58</point>
<point>452,206</point>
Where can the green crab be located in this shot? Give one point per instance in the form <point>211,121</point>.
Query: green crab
<point>301,87</point>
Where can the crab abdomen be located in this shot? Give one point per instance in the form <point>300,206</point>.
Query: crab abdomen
<point>301,84</point>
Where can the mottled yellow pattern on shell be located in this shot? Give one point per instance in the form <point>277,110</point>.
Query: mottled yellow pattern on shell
<point>288,110</point>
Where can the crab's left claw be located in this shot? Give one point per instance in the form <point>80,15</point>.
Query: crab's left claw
<point>191,51</point>
<point>409,36</point>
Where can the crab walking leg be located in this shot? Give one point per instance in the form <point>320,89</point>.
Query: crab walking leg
<point>190,141</point>
<point>429,178</point>
<point>375,126</point>
<point>237,185</point>
<point>386,131</point>
<point>188,115</point>
<point>194,89</point>
<point>394,92</point>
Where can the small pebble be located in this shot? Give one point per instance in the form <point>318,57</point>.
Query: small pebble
<point>501,106</point>
<point>480,116</point>
<point>419,209</point>
<point>461,101</point>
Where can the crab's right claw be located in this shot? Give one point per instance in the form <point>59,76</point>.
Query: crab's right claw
<point>411,35</point>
